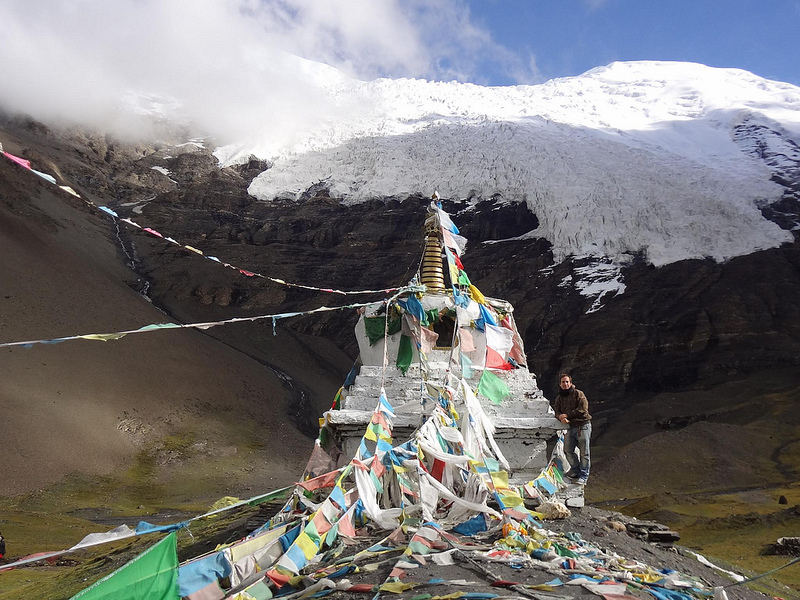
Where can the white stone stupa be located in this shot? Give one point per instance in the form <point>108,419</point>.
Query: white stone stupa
<point>451,334</point>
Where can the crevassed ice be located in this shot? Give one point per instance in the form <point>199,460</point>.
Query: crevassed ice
<point>629,158</point>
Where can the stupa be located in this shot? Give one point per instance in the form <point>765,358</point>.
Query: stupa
<point>422,344</point>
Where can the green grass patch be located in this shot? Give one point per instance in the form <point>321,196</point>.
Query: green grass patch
<point>734,528</point>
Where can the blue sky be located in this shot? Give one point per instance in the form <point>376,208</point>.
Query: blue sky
<point>568,37</point>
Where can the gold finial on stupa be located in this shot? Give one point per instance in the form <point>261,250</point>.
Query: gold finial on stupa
<point>432,272</point>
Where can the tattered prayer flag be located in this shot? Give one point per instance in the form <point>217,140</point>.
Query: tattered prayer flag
<point>363,451</point>
<point>499,338</point>
<point>492,387</point>
<point>476,295</point>
<point>451,264</point>
<point>197,575</point>
<point>153,575</point>
<point>247,273</point>
<point>45,176</point>
<point>322,481</point>
<point>308,546</point>
<point>512,499</point>
<point>337,496</point>
<point>378,429</point>
<point>543,484</point>
<point>311,531</point>
<point>466,340</point>
<point>259,591</point>
<point>376,482</point>
<point>337,400</point>
<point>385,405</point>
<point>69,190</point>
<point>487,315</point>
<point>20,161</point>
<point>405,354</point>
<point>346,523</point>
<point>378,468</point>
<point>105,209</point>
<point>155,326</point>
<point>494,360</point>
<point>396,587</point>
<point>380,419</point>
<point>193,249</point>
<point>438,469</point>
<point>445,221</point>
<point>375,327</point>
<point>455,242</point>
<point>279,577</point>
<point>427,339</point>
<point>414,306</point>
<point>466,366</point>
<point>152,232</point>
<point>103,337</point>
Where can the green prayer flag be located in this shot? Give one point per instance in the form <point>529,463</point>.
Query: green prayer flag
<point>404,354</point>
<point>431,316</point>
<point>259,591</point>
<point>276,495</point>
<point>376,326</point>
<point>156,326</point>
<point>376,482</point>
<point>463,279</point>
<point>466,366</point>
<point>337,400</point>
<point>152,575</point>
<point>492,387</point>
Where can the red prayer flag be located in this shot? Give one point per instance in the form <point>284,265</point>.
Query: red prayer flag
<point>495,360</point>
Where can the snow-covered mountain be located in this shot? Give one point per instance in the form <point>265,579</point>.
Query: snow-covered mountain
<point>664,160</point>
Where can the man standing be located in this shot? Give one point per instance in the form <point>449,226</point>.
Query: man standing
<point>572,408</point>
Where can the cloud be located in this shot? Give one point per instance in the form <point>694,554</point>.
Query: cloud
<point>232,65</point>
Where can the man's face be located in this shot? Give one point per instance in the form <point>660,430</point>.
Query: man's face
<point>565,382</point>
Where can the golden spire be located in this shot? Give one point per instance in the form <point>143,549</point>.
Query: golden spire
<point>432,275</point>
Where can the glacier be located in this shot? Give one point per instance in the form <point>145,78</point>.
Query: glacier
<point>632,159</point>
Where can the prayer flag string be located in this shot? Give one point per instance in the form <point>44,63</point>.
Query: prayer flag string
<point>104,337</point>
<point>113,214</point>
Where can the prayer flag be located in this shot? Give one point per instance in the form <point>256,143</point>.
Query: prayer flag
<point>20,161</point>
<point>404,354</point>
<point>492,387</point>
<point>152,574</point>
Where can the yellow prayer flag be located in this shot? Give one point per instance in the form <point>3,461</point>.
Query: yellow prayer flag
<point>476,295</point>
<point>307,545</point>
<point>512,500</point>
<point>396,587</point>
<point>500,479</point>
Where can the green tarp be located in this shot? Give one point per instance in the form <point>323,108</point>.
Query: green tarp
<point>153,575</point>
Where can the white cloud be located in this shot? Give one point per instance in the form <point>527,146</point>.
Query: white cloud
<point>228,62</point>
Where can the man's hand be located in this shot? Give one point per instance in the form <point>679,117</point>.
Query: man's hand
<point>563,419</point>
